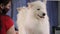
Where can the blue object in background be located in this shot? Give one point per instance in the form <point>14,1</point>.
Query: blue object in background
<point>52,9</point>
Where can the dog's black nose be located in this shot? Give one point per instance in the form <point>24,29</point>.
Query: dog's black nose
<point>43,14</point>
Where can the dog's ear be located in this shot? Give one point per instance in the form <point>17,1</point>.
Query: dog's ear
<point>21,9</point>
<point>30,5</point>
<point>44,1</point>
<point>18,9</point>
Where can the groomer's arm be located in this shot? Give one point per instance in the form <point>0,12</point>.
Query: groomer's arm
<point>11,30</point>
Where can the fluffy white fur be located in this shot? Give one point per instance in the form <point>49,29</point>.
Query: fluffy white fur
<point>30,19</point>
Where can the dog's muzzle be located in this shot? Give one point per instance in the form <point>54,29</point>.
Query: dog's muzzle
<point>42,15</point>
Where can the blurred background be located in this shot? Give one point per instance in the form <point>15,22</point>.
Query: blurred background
<point>53,10</point>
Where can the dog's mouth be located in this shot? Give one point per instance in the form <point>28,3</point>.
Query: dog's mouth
<point>41,16</point>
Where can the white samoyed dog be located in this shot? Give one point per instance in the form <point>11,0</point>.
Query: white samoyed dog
<point>33,19</point>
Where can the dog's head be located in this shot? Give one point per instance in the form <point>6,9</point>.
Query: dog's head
<point>38,8</point>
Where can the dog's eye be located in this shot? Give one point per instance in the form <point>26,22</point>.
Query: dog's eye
<point>38,9</point>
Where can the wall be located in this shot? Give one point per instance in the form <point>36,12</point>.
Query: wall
<point>59,14</point>
<point>52,9</point>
